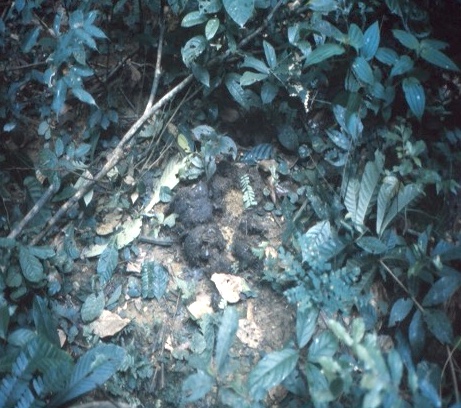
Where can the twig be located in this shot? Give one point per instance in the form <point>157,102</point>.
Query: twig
<point>158,66</point>
<point>449,361</point>
<point>34,211</point>
<point>114,158</point>
<point>418,305</point>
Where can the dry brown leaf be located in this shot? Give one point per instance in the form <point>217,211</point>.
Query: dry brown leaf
<point>108,324</point>
<point>229,286</point>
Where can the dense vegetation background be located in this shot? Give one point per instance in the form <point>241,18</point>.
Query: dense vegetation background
<point>353,103</point>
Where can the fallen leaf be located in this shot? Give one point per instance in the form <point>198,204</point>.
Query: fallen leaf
<point>229,286</point>
<point>108,324</point>
<point>200,307</point>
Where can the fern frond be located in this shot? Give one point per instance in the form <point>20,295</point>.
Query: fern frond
<point>249,199</point>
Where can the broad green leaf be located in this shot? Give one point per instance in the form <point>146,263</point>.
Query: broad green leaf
<point>436,57</point>
<point>8,243</point>
<point>387,56</point>
<point>193,18</point>
<point>196,386</point>
<point>370,178</point>
<point>154,280</point>
<point>395,365</point>
<point>340,332</point>
<point>439,325</point>
<point>258,65</point>
<point>371,39</point>
<point>60,92</point>
<point>31,267</point>
<point>226,334</point>
<point>107,263</point>
<point>306,319</point>
<point>249,78</point>
<point>415,96</point>
<point>43,320</point>
<point>323,345</point>
<point>417,333</point>
<point>363,71</point>
<point>322,53</point>
<point>245,97</point>
<point>406,39</point>
<point>372,245</point>
<point>355,36</point>
<point>4,321</point>
<point>85,38</point>
<point>42,252</point>
<point>271,371</point>
<point>84,96</point>
<point>399,311</point>
<point>92,307</point>
<point>193,49</point>
<point>201,74</point>
<point>442,290</point>
<point>209,6</point>
<point>271,56</point>
<point>211,28</point>
<point>94,368</point>
<point>268,92</point>
<point>76,19</point>
<point>323,6</point>
<point>402,66</point>
<point>30,39</point>
<point>94,31</point>
<point>239,10</point>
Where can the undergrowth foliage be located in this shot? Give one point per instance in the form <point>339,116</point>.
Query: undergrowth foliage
<point>383,158</point>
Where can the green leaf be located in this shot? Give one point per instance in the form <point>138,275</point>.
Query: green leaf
<point>31,267</point>
<point>400,311</point>
<point>395,365</point>
<point>92,307</point>
<point>249,78</point>
<point>322,53</point>
<point>436,57</point>
<point>196,386</point>
<point>372,245</point>
<point>271,56</point>
<point>4,321</point>
<point>268,92</point>
<point>355,36</point>
<point>201,74</point>
<point>209,6</point>
<point>239,10</point>
<point>226,335</point>
<point>42,252</point>
<point>193,49</point>
<point>154,280</point>
<point>442,290</point>
<point>60,92</point>
<point>107,263</point>
<point>323,345</point>
<point>414,95</point>
<point>8,243</point>
<point>271,371</point>
<point>258,65</point>
<point>363,71</point>
<point>386,56</point>
<point>439,325</point>
<point>84,96</point>
<point>85,38</point>
<point>245,97</point>
<point>211,28</point>
<point>30,39</point>
<point>193,18</point>
<point>323,6</point>
<point>43,320</point>
<point>371,39</point>
<point>417,333</point>
<point>406,39</point>
<point>94,368</point>
<point>306,319</point>
<point>403,65</point>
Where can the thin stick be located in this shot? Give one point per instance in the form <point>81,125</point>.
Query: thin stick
<point>34,211</point>
<point>158,67</point>
<point>402,286</point>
